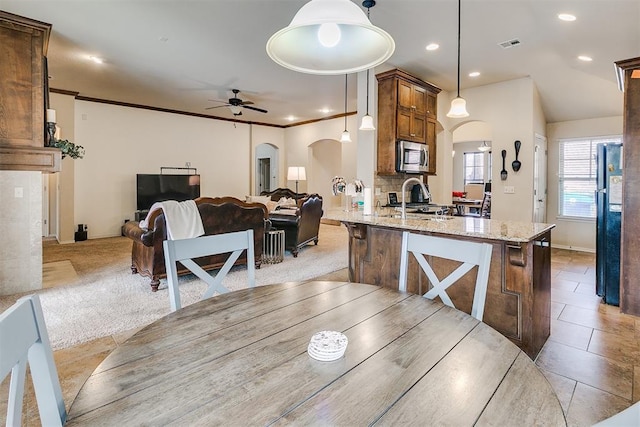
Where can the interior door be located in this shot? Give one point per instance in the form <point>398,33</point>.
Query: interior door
<point>264,175</point>
<point>540,179</point>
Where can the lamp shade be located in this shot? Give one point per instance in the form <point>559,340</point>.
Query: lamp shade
<point>330,37</point>
<point>296,173</point>
<point>458,108</point>
<point>346,136</point>
<point>367,123</point>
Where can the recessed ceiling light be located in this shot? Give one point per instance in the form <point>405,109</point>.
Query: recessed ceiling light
<point>585,58</point>
<point>566,17</point>
<point>432,46</point>
<point>96,59</point>
<point>474,74</point>
<point>325,110</point>
<point>291,118</point>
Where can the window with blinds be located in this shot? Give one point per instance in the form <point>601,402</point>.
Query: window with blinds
<point>577,176</point>
<point>473,168</point>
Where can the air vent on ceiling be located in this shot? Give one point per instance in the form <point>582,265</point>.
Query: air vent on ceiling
<point>509,43</point>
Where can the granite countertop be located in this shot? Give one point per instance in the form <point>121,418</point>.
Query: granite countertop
<point>512,231</point>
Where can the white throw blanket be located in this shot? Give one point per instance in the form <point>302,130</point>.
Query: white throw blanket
<point>182,219</point>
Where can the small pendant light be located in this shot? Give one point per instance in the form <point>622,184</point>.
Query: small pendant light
<point>367,120</point>
<point>346,137</point>
<point>458,104</point>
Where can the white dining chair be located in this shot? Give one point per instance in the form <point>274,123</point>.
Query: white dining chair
<point>470,254</point>
<point>630,417</point>
<point>24,339</point>
<point>185,250</point>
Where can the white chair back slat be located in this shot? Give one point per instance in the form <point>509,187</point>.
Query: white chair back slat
<point>186,250</point>
<point>24,338</point>
<point>470,254</point>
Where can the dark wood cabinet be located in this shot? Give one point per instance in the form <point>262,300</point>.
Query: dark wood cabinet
<point>407,110</point>
<point>23,95</point>
<point>518,303</point>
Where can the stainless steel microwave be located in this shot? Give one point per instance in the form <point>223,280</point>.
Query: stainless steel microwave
<point>411,157</point>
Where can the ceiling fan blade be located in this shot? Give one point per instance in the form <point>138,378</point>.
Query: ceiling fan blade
<point>255,109</point>
<point>246,103</point>
<point>217,106</point>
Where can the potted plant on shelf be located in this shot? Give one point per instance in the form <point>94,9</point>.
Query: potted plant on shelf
<point>70,149</point>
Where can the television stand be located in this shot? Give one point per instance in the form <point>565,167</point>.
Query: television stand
<point>140,215</point>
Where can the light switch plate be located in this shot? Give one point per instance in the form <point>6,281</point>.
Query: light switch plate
<point>509,189</point>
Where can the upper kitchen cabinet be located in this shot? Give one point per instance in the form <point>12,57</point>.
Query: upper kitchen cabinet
<point>407,110</point>
<point>23,95</point>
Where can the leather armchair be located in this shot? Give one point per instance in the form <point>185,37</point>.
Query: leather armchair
<point>300,225</point>
<point>283,192</point>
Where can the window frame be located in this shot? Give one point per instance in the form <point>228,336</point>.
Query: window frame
<point>481,168</point>
<point>588,180</point>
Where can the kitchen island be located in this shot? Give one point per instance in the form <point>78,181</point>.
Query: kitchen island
<point>518,298</point>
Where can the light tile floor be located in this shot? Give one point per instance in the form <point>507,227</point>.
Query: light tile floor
<point>592,358</point>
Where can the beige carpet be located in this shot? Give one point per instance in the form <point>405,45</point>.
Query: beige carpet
<point>104,298</point>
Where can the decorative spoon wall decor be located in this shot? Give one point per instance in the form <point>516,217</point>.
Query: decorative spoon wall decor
<point>516,163</point>
<point>503,172</point>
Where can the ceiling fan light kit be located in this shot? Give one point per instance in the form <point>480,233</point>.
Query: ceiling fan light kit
<point>330,37</point>
<point>236,104</point>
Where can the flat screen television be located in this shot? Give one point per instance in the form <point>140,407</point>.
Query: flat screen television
<point>153,188</point>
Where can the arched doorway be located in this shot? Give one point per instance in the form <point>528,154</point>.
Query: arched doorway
<point>266,164</point>
<point>325,162</point>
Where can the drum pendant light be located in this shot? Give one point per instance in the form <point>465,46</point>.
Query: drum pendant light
<point>346,137</point>
<point>458,104</point>
<point>330,37</point>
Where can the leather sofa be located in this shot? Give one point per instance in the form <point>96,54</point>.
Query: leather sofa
<point>219,215</point>
<point>300,225</point>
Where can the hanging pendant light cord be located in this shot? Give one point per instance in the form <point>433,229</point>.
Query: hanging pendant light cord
<point>367,92</point>
<point>373,3</point>
<point>459,48</point>
<point>345,102</point>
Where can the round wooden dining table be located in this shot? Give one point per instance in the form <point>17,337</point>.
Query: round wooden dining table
<point>241,359</point>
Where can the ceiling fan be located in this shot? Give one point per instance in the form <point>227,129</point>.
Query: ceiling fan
<point>236,104</point>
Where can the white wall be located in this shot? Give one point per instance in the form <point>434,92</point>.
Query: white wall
<point>298,140</point>
<point>61,212</point>
<point>274,137</point>
<point>325,163</point>
<point>573,234</point>
<point>507,107</point>
<point>121,142</point>
<point>20,231</point>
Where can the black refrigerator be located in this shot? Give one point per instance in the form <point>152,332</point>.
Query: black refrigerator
<point>609,215</point>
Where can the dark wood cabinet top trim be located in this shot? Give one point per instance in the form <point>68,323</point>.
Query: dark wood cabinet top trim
<point>401,74</point>
<point>11,19</point>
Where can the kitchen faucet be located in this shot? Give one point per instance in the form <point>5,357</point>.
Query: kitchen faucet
<point>427,196</point>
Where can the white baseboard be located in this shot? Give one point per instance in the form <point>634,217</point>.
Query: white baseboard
<point>573,248</point>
